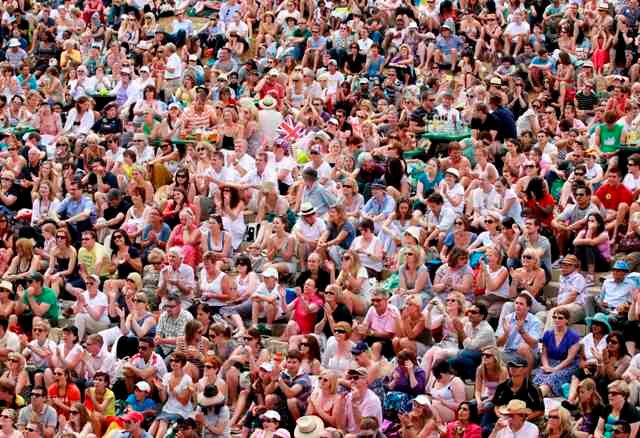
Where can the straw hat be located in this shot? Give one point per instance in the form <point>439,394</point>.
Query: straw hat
<point>515,407</point>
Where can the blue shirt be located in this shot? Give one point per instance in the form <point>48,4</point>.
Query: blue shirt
<point>532,326</point>
<point>138,406</point>
<point>70,207</point>
<point>446,44</point>
<point>375,207</point>
<point>319,197</point>
<point>615,294</point>
<point>226,12</point>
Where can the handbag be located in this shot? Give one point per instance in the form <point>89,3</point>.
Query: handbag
<point>629,244</point>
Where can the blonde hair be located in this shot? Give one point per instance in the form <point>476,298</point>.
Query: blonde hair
<point>25,246</point>
<point>332,378</point>
<point>533,253</point>
<point>619,386</point>
<point>566,422</point>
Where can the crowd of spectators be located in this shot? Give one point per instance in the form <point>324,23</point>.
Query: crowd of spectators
<point>319,218</point>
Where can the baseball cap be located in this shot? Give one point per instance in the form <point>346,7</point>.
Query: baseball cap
<point>270,273</point>
<point>134,417</point>
<point>518,362</point>
<point>360,371</point>
<point>359,348</point>
<point>143,386</point>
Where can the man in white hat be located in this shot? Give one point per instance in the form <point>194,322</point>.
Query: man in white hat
<point>268,299</point>
<point>307,231</point>
<point>126,91</point>
<point>309,426</point>
<point>15,55</point>
<point>514,422</point>
<point>269,118</point>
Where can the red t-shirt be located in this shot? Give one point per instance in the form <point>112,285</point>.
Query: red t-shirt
<point>611,197</point>
<point>306,321</point>
<point>275,89</point>
<point>71,396</point>
<point>545,202</point>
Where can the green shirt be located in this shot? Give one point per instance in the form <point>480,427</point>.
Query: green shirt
<point>47,296</point>
<point>610,138</point>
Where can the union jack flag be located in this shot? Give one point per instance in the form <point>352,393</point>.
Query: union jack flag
<point>290,131</point>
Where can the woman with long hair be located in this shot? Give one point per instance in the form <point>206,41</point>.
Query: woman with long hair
<point>62,262</point>
<point>593,246</point>
<point>351,200</point>
<point>466,423</point>
<point>353,279</point>
<point>45,202</point>
<point>612,362</point>
<point>125,259</point>
<point>243,362</point>
<point>175,390</point>
<point>80,118</point>
<point>310,350</point>
<point>489,374</point>
<point>16,372</point>
<point>337,354</point>
<point>450,317</point>
<point>455,275</point>
<point>459,237</point>
<point>63,393</point>
<point>233,215</point>
<point>177,203</point>
<point>194,346</point>
<point>217,240</point>
<point>414,277</point>
<point>280,248</point>
<point>78,422</point>
<point>214,285</point>
<point>529,278</point>
<point>590,406</point>
<point>187,236</point>
<point>411,332</point>
<point>25,263</point>
<point>396,225</point>
<point>324,400</point>
<point>139,323</point>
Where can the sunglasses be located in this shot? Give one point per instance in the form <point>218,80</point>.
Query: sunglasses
<point>209,366</point>
<point>527,257</point>
<point>340,331</point>
<point>30,429</point>
<point>554,417</point>
<point>74,411</point>
<point>489,221</point>
<point>487,355</point>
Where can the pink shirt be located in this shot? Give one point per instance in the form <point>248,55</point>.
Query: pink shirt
<point>382,323</point>
<point>370,406</point>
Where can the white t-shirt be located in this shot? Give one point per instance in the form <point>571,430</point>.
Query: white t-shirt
<point>334,80</point>
<point>173,62</point>
<point>313,231</point>
<point>456,191</point>
<point>514,29</point>
<point>172,405</point>
<point>324,171</point>
<point>528,430</point>
<point>10,341</point>
<point>99,300</point>
<point>39,361</point>
<point>588,343</point>
<point>285,163</point>
<point>631,182</point>
<point>484,202</point>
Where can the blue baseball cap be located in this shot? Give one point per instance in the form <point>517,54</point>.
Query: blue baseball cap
<point>621,265</point>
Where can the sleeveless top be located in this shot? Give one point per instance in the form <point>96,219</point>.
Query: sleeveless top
<point>214,286</point>
<point>503,290</point>
<point>215,247</point>
<point>151,332</point>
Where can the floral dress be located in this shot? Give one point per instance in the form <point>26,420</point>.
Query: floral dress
<point>556,354</point>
